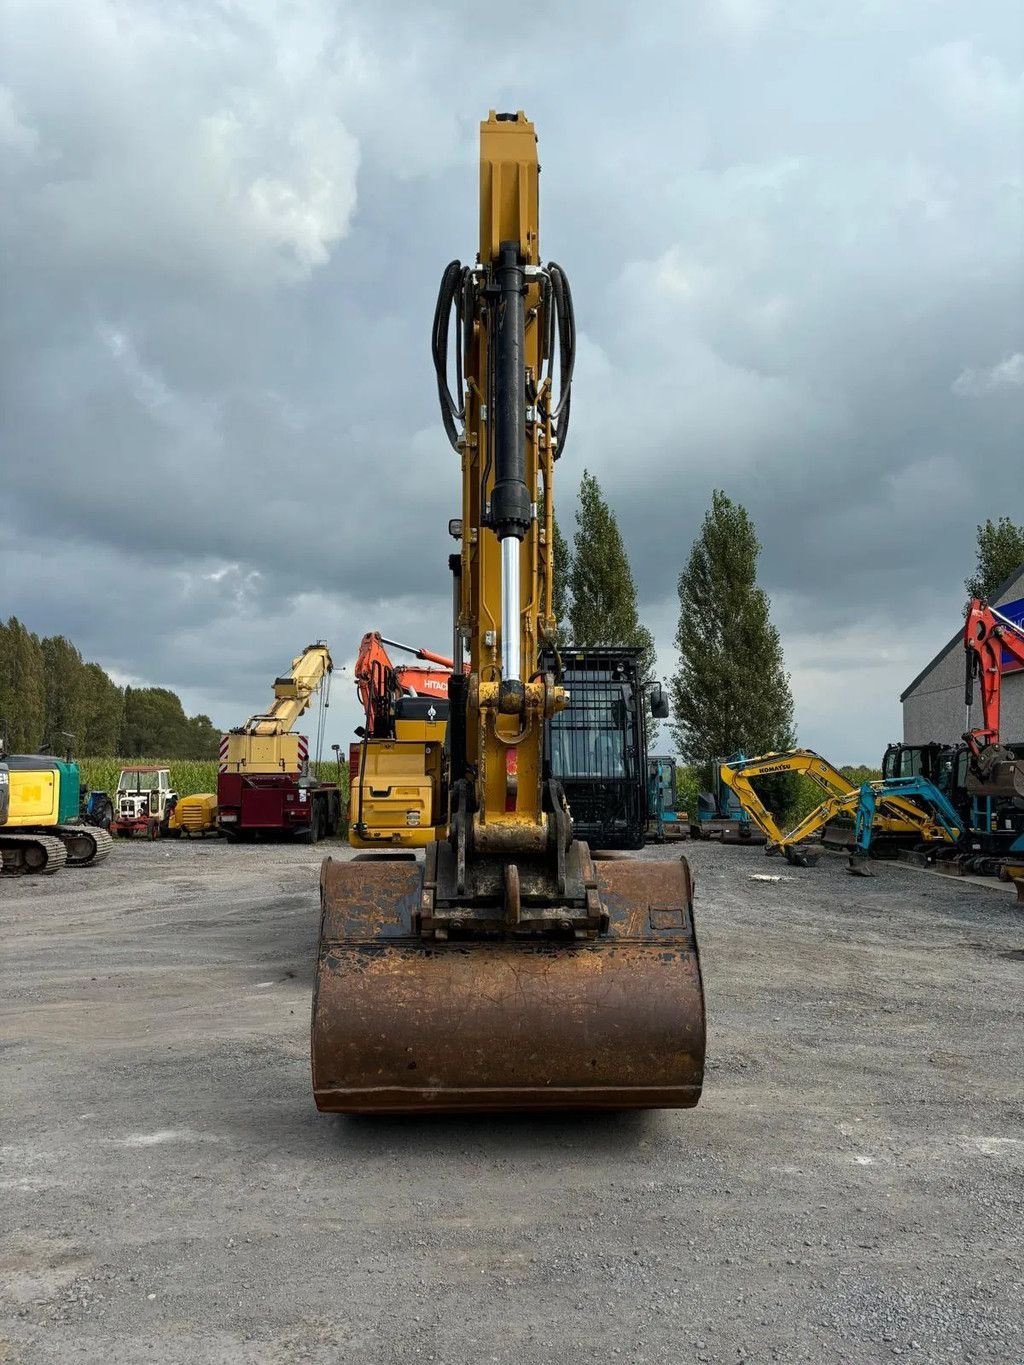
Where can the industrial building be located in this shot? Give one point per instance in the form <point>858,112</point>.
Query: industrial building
<point>933,704</point>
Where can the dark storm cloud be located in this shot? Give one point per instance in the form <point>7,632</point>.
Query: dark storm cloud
<point>794,236</point>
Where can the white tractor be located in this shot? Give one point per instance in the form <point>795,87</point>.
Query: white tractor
<point>143,803</point>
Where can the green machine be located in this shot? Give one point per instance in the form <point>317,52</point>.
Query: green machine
<point>40,828</point>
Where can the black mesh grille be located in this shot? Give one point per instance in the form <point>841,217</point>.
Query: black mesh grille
<point>596,746</point>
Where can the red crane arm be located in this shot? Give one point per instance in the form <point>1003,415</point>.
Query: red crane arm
<point>986,634</point>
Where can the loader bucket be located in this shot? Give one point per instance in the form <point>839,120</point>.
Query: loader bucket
<point>402,1024</point>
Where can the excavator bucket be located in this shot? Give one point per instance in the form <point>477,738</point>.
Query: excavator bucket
<point>1004,779</point>
<point>799,856</point>
<point>403,1024</point>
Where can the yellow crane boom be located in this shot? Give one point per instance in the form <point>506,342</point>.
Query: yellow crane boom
<point>265,744</point>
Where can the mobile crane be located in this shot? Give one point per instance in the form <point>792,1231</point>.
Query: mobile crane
<point>509,970</point>
<point>264,783</point>
<point>395,771</point>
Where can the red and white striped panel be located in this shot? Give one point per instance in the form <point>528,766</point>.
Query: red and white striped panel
<point>303,748</point>
<point>223,755</point>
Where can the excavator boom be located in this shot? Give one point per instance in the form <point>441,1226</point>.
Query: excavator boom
<point>510,969</point>
<point>988,634</point>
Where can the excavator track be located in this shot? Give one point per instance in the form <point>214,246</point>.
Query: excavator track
<point>86,845</point>
<point>31,854</point>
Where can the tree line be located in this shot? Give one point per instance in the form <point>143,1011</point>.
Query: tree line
<point>52,700</point>
<point>731,691</point>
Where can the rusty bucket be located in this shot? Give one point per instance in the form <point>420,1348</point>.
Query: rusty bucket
<point>402,1024</point>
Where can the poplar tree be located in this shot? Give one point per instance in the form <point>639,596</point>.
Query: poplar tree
<point>22,687</point>
<point>47,692</point>
<point>1000,553</point>
<point>560,592</point>
<point>603,602</point>
<point>103,714</point>
<point>66,688</point>
<point>731,691</point>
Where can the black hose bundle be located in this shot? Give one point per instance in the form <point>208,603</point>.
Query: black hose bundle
<point>456,292</point>
<point>563,319</point>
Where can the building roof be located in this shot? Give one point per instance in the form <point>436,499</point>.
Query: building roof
<point>957,639</point>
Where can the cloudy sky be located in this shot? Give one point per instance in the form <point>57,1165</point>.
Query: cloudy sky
<point>794,230</point>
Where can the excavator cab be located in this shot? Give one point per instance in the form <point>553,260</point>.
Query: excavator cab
<point>510,968</point>
<point>933,761</point>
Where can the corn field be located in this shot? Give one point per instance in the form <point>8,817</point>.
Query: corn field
<point>188,776</point>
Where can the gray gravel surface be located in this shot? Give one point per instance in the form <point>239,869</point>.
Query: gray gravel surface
<point>848,1190</point>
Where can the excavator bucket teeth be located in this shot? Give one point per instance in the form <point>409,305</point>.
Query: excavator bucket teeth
<point>402,1024</point>
<point>859,866</point>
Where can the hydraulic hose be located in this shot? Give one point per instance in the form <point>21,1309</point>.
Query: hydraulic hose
<point>563,322</point>
<point>456,293</point>
<point>452,292</point>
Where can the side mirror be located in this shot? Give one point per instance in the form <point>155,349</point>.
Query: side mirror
<point>659,702</point>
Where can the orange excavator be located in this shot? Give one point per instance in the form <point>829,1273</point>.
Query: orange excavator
<point>380,683</point>
<point>395,783</point>
<point>991,640</point>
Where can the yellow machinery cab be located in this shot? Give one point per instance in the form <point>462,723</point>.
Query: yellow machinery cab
<point>395,796</point>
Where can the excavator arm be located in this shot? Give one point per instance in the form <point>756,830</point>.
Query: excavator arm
<point>987,633</point>
<point>376,685</point>
<point>510,970</point>
<point>936,819</point>
<point>427,655</point>
<point>740,776</point>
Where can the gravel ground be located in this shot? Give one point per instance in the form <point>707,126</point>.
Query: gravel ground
<point>849,1188</point>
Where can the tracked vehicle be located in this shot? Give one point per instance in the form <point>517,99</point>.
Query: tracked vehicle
<point>40,828</point>
<point>510,969</point>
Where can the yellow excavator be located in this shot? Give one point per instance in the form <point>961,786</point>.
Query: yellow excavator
<point>891,813</point>
<point>509,969</point>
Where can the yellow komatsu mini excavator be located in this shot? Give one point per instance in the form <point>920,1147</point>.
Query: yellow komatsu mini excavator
<point>509,969</point>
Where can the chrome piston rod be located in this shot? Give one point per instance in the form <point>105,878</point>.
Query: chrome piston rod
<point>511,660</point>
